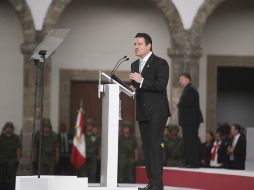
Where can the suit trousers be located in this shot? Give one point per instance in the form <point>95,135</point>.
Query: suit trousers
<point>191,145</point>
<point>152,136</point>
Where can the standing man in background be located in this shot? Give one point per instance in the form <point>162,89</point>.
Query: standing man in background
<point>190,117</point>
<point>150,75</point>
<point>65,146</point>
<point>127,154</point>
<point>237,149</point>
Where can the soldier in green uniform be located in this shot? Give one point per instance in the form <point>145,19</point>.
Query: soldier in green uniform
<point>92,152</point>
<point>49,148</point>
<point>10,153</point>
<point>127,155</point>
<point>174,148</point>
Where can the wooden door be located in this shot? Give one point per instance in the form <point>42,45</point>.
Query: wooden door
<point>88,92</point>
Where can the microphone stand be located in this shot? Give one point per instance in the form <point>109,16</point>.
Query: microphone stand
<point>117,65</point>
<point>119,62</point>
<point>40,93</point>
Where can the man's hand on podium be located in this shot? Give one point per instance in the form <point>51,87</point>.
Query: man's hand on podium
<point>133,88</point>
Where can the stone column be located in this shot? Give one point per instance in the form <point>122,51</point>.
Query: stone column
<point>183,60</point>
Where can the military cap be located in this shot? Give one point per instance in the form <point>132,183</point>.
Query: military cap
<point>90,121</point>
<point>8,125</point>
<point>46,123</point>
<point>173,127</point>
<point>126,123</point>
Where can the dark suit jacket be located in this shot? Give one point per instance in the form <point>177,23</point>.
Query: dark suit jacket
<point>189,112</point>
<point>240,149</point>
<point>70,140</point>
<point>151,98</point>
<point>222,154</point>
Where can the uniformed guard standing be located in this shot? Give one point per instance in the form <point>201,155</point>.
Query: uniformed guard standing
<point>49,148</point>
<point>92,152</point>
<point>10,153</point>
<point>127,155</point>
<point>174,149</point>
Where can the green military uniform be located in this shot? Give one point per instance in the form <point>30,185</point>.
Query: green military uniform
<point>49,146</point>
<point>8,160</point>
<point>92,151</point>
<point>174,150</point>
<point>126,157</point>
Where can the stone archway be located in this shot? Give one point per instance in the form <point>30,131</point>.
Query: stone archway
<point>55,11</point>
<point>167,7</point>
<point>204,12</point>
<point>22,10</point>
<point>177,33</point>
<point>26,19</point>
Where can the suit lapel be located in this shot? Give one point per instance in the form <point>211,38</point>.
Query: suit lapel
<point>136,66</point>
<point>147,65</point>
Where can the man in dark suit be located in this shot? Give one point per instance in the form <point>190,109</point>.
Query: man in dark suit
<point>150,75</point>
<point>65,141</point>
<point>237,149</point>
<point>190,117</point>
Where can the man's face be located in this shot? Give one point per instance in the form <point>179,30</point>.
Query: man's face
<point>209,138</point>
<point>183,81</point>
<point>174,133</point>
<point>217,137</point>
<point>46,131</point>
<point>89,128</point>
<point>8,131</point>
<point>141,49</point>
<point>234,131</point>
<point>126,130</point>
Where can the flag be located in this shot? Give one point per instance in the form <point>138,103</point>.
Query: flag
<point>78,154</point>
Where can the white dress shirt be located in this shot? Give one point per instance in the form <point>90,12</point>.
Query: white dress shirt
<point>142,63</point>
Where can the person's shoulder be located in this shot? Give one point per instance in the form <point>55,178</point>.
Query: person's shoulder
<point>135,62</point>
<point>242,137</point>
<point>190,87</point>
<point>16,137</point>
<point>157,58</point>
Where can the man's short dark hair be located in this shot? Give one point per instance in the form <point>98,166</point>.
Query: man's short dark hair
<point>237,127</point>
<point>186,75</point>
<point>148,39</point>
<point>219,132</point>
<point>8,125</point>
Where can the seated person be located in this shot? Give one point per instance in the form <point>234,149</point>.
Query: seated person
<point>237,149</point>
<point>218,152</point>
<point>206,149</point>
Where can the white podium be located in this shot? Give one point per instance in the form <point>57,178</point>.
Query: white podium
<point>51,183</point>
<point>109,148</point>
<point>249,164</point>
<point>110,129</point>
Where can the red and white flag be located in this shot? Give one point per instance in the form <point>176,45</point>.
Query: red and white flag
<point>78,155</point>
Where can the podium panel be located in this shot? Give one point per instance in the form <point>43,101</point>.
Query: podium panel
<point>249,164</point>
<point>109,141</point>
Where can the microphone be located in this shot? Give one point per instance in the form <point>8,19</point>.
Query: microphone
<point>119,62</point>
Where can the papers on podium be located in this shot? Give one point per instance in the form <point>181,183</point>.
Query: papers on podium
<point>115,80</point>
